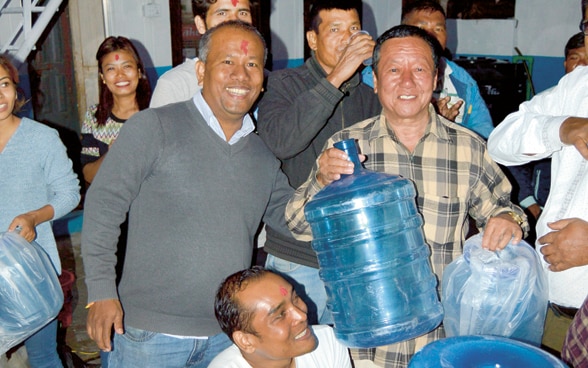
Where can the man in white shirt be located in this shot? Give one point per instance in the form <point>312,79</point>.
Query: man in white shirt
<point>179,83</point>
<point>555,124</point>
<point>266,320</point>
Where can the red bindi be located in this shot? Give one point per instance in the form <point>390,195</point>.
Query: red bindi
<point>283,291</point>
<point>245,46</point>
<point>234,2</point>
<point>116,57</point>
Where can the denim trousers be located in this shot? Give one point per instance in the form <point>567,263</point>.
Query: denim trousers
<point>42,347</point>
<point>143,349</point>
<point>308,286</point>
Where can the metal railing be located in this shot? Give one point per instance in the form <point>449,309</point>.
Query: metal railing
<point>35,17</point>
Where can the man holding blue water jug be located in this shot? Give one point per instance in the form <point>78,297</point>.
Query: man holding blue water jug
<point>449,165</point>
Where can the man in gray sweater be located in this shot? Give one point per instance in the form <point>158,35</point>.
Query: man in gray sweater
<point>196,184</point>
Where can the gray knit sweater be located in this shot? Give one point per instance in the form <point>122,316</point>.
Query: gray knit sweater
<point>195,203</point>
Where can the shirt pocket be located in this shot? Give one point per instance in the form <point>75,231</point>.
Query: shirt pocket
<point>444,218</point>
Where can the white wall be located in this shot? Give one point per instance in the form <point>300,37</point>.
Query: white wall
<point>151,31</point>
<point>544,26</point>
<point>287,35</point>
<point>540,29</point>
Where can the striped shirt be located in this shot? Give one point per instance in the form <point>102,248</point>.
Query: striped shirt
<point>454,176</point>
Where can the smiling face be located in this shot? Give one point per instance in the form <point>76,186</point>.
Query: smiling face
<point>431,21</point>
<point>333,34</point>
<point>405,79</point>
<point>7,96</point>
<point>222,11</point>
<point>120,73</point>
<point>278,319</point>
<point>232,76</point>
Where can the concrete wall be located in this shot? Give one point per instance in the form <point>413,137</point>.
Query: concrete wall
<point>540,30</point>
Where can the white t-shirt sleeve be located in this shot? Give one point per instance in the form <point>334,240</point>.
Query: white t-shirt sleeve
<point>330,353</point>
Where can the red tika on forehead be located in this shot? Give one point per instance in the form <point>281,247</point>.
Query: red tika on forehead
<point>116,57</point>
<point>245,47</point>
<point>283,291</point>
<point>234,2</point>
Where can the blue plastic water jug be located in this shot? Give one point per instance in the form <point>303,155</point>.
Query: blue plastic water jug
<point>373,258</point>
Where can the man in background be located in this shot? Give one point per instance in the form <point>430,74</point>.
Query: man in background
<point>180,83</point>
<point>535,183</point>
<point>304,106</point>
<point>555,124</point>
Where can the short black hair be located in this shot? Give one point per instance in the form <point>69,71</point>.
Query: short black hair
<point>420,5</point>
<point>200,7</point>
<point>575,42</point>
<point>231,315</point>
<point>584,6</point>
<point>314,20</point>
<point>204,45</point>
<point>403,31</point>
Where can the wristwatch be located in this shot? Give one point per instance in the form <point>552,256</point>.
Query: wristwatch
<point>516,217</point>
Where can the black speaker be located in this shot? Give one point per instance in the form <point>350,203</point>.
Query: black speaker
<point>502,84</point>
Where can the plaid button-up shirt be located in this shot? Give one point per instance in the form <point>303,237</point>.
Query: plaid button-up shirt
<point>454,177</point>
<point>575,349</point>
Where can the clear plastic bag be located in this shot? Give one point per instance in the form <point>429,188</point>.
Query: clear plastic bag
<point>495,293</point>
<point>30,293</point>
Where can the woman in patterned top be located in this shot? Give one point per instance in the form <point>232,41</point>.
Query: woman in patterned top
<point>124,90</point>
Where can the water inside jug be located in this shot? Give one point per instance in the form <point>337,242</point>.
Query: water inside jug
<point>373,258</point>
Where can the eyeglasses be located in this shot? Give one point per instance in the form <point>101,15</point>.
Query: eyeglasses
<point>584,27</point>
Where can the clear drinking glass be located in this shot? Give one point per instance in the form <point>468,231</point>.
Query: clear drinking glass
<point>368,61</point>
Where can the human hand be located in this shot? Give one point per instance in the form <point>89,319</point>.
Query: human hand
<point>102,316</point>
<point>332,163</point>
<point>499,231</point>
<point>567,245</point>
<point>448,112</point>
<point>352,54</point>
<point>26,222</point>
<point>534,210</point>
<point>574,131</point>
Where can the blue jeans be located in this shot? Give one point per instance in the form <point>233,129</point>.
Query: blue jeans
<point>104,357</point>
<point>308,285</point>
<point>140,349</point>
<point>42,347</point>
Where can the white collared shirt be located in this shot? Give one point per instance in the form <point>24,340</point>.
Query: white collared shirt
<point>532,133</point>
<point>246,128</point>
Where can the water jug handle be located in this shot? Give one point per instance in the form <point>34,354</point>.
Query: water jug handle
<point>349,146</point>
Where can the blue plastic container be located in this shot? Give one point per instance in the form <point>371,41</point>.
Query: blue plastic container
<point>483,352</point>
<point>373,258</point>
